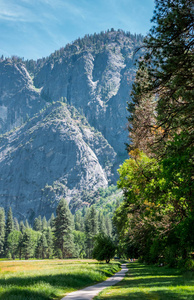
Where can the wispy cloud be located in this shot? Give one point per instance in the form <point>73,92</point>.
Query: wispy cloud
<point>15,12</point>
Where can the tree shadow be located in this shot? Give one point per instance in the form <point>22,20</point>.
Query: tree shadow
<point>59,280</point>
<point>24,294</point>
<point>150,282</point>
<point>159,295</point>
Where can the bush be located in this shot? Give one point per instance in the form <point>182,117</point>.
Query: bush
<point>104,248</point>
<point>189,264</point>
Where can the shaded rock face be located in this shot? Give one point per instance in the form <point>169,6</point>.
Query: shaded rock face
<point>55,154</point>
<point>19,99</point>
<point>62,122</point>
<point>97,83</point>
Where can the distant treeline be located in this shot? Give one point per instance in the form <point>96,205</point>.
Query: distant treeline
<point>64,235</point>
<point>96,41</point>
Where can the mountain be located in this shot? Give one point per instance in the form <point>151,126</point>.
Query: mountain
<point>19,99</point>
<point>63,121</point>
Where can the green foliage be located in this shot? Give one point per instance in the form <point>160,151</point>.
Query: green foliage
<point>104,248</point>
<point>50,279</point>
<point>156,218</point>
<point>37,224</point>
<point>91,229</point>
<point>9,226</point>
<point>152,222</point>
<point>168,64</point>
<point>2,230</point>
<point>63,229</point>
<point>13,243</point>
<point>28,243</point>
<point>42,247</point>
<point>57,237</point>
<point>80,244</point>
<point>151,282</point>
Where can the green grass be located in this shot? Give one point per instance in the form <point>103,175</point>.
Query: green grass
<point>49,279</point>
<point>144,282</point>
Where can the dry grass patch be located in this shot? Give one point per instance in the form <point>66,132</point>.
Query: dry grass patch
<point>50,279</point>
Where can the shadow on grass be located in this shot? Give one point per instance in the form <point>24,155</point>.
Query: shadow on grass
<point>28,287</point>
<point>152,283</point>
<point>164,295</point>
<point>18,294</point>
<point>59,280</point>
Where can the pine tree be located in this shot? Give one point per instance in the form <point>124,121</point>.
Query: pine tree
<point>42,247</point>
<point>108,225</point>
<point>29,241</point>
<point>101,222</point>
<point>44,223</point>
<point>51,222</point>
<point>63,230</point>
<point>9,227</point>
<point>2,231</point>
<point>37,224</point>
<point>13,241</point>
<point>16,224</point>
<point>91,229</point>
<point>50,239</point>
<point>27,224</point>
<point>94,220</point>
<point>166,70</point>
<point>26,244</point>
<point>22,226</point>
<point>79,221</point>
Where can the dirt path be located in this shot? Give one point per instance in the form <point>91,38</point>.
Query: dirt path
<point>92,291</point>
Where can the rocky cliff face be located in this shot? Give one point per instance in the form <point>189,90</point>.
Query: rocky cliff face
<point>19,99</point>
<point>54,154</point>
<point>96,81</point>
<point>70,114</point>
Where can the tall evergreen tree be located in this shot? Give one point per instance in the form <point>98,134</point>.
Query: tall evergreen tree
<point>102,225</point>
<point>16,224</point>
<point>13,243</point>
<point>37,224</point>
<point>9,227</point>
<point>51,222</point>
<point>29,242</point>
<point>63,230</point>
<point>27,224</point>
<point>50,239</point>
<point>2,231</point>
<point>44,223</point>
<point>42,247</point>
<point>22,226</point>
<point>162,182</point>
<point>166,70</point>
<point>91,229</point>
<point>79,221</point>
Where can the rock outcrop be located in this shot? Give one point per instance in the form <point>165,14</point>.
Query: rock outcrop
<point>55,154</point>
<point>19,99</point>
<point>63,121</point>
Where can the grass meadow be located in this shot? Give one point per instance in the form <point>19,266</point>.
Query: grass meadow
<point>144,282</point>
<point>50,279</point>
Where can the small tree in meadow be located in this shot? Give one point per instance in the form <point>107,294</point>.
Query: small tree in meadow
<point>104,248</point>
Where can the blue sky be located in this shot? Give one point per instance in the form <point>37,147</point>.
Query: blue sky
<point>36,28</point>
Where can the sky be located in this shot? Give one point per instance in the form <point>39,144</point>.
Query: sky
<point>36,28</point>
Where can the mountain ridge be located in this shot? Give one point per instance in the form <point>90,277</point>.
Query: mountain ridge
<point>85,137</point>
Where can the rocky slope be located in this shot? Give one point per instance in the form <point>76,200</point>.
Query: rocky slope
<point>54,154</point>
<point>19,99</point>
<point>59,149</point>
<point>97,80</point>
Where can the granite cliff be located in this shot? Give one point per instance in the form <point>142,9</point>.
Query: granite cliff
<point>63,120</point>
